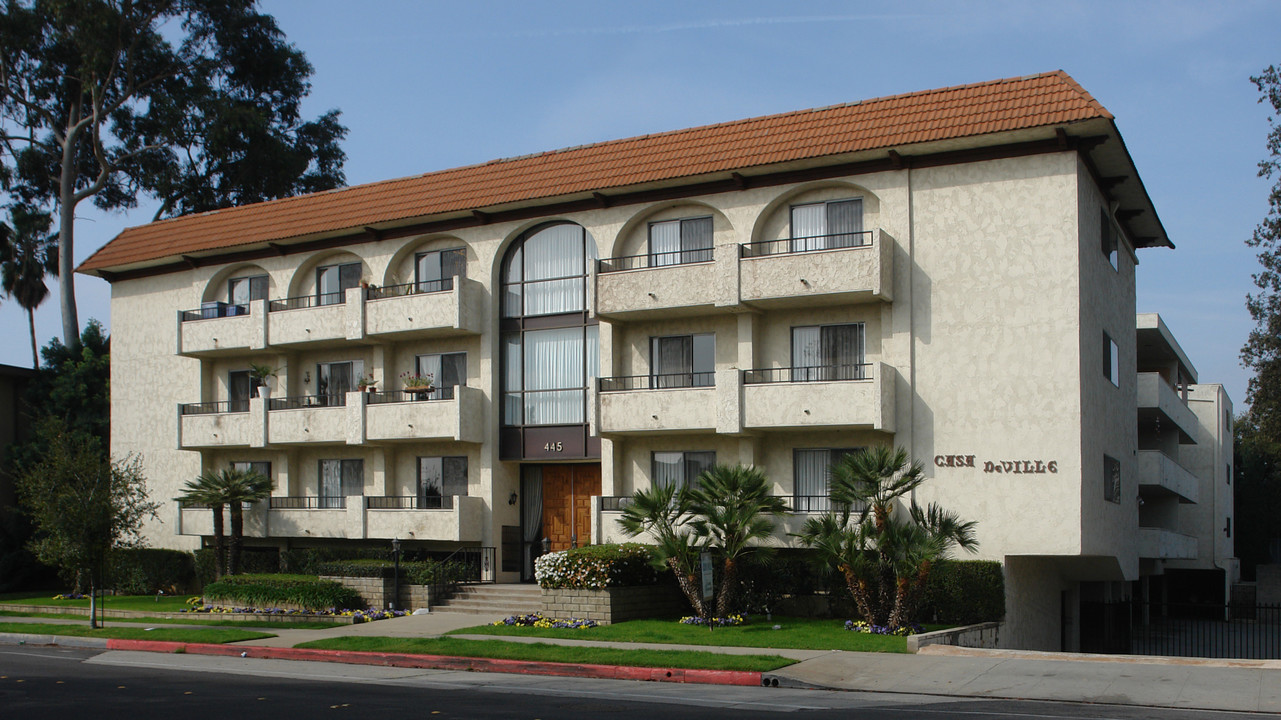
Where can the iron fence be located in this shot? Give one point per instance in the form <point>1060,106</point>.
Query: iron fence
<point>653,260</point>
<point>1138,627</point>
<point>212,310</point>
<point>307,301</point>
<point>307,401</point>
<point>211,408</point>
<point>810,243</point>
<point>399,396</point>
<point>819,373</point>
<point>410,502</point>
<point>308,502</point>
<point>658,382</point>
<point>413,288</point>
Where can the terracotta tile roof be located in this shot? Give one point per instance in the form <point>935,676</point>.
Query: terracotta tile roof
<point>948,113</point>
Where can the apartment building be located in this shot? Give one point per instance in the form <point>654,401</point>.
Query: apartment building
<point>941,270</point>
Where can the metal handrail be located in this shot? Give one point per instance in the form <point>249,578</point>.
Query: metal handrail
<point>307,301</point>
<point>413,288</point>
<point>398,396</point>
<point>299,402</point>
<point>307,502</point>
<point>664,381</point>
<point>212,408</point>
<point>808,243</point>
<point>215,310</point>
<point>410,502</point>
<point>813,373</point>
<point>816,504</point>
<point>653,260</point>
<point>614,503</point>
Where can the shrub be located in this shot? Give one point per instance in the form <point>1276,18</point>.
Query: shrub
<point>412,572</point>
<point>964,592</point>
<point>147,571</point>
<point>265,591</point>
<point>765,579</point>
<point>251,561</point>
<point>597,566</point>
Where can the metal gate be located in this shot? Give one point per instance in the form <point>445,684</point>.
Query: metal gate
<point>1248,631</point>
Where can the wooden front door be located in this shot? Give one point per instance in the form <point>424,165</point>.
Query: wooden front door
<point>567,503</point>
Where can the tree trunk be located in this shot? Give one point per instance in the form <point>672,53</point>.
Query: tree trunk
<point>688,586</point>
<point>237,538</point>
<point>729,584</point>
<point>66,236</point>
<point>219,546</point>
<point>93,603</point>
<point>35,353</point>
<point>858,589</point>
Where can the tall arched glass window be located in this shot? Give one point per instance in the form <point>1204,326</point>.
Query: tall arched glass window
<point>550,350</point>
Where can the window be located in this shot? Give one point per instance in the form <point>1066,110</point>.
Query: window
<point>333,282</point>
<point>545,273</point>
<point>824,225</point>
<point>243,290</point>
<point>338,479</point>
<point>683,361</point>
<point>1111,360</point>
<point>439,478</point>
<point>446,370</point>
<point>1111,479</point>
<point>828,352</point>
<point>675,242</point>
<point>811,477</point>
<point>240,387</point>
<point>334,380</point>
<point>262,468</point>
<point>1107,234</point>
<point>553,367</point>
<point>434,271</point>
<point>681,469</point>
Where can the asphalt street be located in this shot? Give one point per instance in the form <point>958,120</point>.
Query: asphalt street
<point>39,682</point>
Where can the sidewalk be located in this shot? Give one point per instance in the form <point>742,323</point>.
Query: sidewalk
<point>1240,685</point>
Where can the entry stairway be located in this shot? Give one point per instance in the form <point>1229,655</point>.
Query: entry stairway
<point>490,599</point>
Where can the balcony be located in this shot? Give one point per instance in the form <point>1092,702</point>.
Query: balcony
<point>450,413</point>
<point>216,425</point>
<point>1165,544</point>
<point>1160,475</point>
<point>309,419</point>
<point>450,306</point>
<point>457,519</point>
<point>840,396</point>
<point>1158,400</point>
<point>222,329</point>
<point>683,402</point>
<point>328,318</point>
<point>853,267</point>
<point>447,518</point>
<point>663,284</point>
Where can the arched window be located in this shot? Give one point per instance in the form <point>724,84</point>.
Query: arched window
<point>550,348</point>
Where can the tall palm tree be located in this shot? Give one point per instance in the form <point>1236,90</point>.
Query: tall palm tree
<point>663,512</point>
<point>28,254</point>
<point>884,557</point>
<point>240,487</point>
<point>734,509</point>
<point>207,490</point>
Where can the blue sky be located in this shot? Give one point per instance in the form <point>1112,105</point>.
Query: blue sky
<point>425,86</point>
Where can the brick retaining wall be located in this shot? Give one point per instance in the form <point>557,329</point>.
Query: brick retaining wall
<point>614,604</point>
<point>377,592</point>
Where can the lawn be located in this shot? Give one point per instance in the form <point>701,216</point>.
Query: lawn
<point>794,633</point>
<point>540,652</point>
<point>144,603</point>
<point>188,635</point>
<point>187,619</point>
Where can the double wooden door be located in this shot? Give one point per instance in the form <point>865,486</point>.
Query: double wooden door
<point>567,503</point>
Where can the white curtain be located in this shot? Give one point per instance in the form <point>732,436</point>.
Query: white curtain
<point>668,469</point>
<point>665,243</point>
<point>554,379</point>
<point>513,372</point>
<point>807,353</point>
<point>811,480</point>
<point>556,252</point>
<point>809,225</point>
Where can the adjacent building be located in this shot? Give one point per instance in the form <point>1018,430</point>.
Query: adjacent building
<point>951,271</point>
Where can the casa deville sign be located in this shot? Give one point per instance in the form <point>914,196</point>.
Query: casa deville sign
<point>1000,467</point>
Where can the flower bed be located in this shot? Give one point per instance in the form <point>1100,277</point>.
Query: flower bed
<point>357,616</point>
<point>596,567</point>
<point>728,621</point>
<point>866,627</point>
<point>539,621</point>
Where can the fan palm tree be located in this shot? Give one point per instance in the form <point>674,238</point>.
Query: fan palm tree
<point>663,512</point>
<point>733,509</point>
<point>28,254</point>
<point>240,487</point>
<point>207,490</point>
<point>884,557</point>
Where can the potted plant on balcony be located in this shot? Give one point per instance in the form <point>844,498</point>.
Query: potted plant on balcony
<point>260,373</point>
<point>367,384</point>
<point>418,385</point>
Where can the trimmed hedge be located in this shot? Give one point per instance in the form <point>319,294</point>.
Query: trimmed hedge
<point>412,572</point>
<point>597,566</point>
<point>964,592</point>
<point>251,561</point>
<point>146,571</point>
<point>264,591</point>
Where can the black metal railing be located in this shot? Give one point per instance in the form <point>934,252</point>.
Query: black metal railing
<point>307,301</point>
<point>413,288</point>
<point>818,373</point>
<point>410,502</point>
<point>213,310</point>
<point>810,243</point>
<point>193,505</point>
<point>399,396</point>
<point>614,503</point>
<point>212,408</point>
<point>308,502</point>
<point>657,382</point>
<point>818,504</point>
<point>299,402</point>
<point>653,260</point>
<point>1232,630</point>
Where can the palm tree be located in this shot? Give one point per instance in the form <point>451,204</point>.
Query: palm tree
<point>28,254</point>
<point>733,509</point>
<point>207,490</point>
<point>664,513</point>
<point>884,558</point>
<point>240,487</point>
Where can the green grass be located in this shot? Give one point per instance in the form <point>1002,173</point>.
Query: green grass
<point>188,620</point>
<point>144,603</point>
<point>795,633</point>
<point>541,652</point>
<point>189,635</point>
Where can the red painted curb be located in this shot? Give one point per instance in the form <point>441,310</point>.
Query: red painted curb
<point>444,662</point>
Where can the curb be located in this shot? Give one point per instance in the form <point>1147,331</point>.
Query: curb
<point>444,662</point>
<point>74,641</point>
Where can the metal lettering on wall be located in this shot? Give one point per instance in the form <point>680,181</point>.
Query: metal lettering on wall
<point>1011,467</point>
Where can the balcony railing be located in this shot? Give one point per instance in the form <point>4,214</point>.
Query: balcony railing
<point>652,260</point>
<point>213,408</point>
<point>658,382</point>
<point>817,373</point>
<point>212,310</point>
<point>817,504</point>
<point>614,503</point>
<point>413,288</point>
<point>410,502</point>
<point>307,401</point>
<point>307,301</point>
<point>811,243</point>
<point>308,502</point>
<point>399,396</point>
